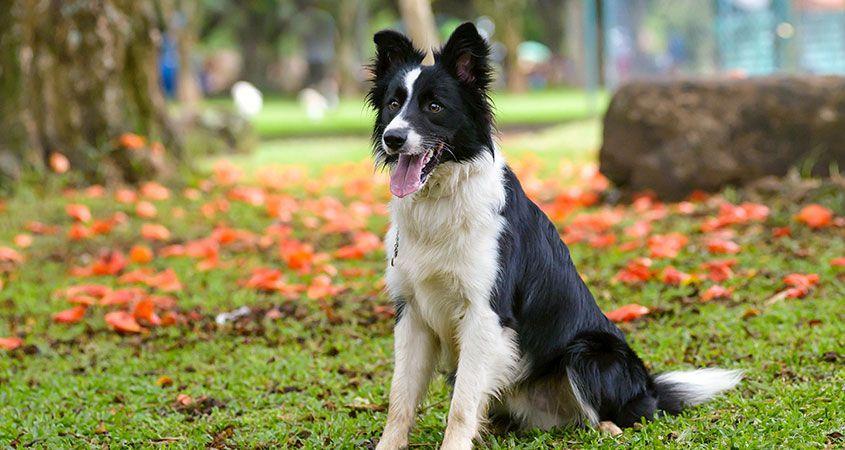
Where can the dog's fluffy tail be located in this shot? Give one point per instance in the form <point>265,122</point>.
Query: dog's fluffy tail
<point>677,390</point>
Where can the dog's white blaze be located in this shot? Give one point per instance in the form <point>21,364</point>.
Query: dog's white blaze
<point>446,271</point>
<point>698,386</point>
<point>414,139</point>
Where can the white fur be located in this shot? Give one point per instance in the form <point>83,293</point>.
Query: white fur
<point>399,122</point>
<point>585,412</point>
<point>698,386</point>
<point>446,271</point>
<point>550,404</point>
<point>415,356</point>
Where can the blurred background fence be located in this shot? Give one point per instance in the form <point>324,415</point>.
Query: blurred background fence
<point>647,38</point>
<point>288,46</point>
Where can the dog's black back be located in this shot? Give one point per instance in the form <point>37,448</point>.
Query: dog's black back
<point>560,327</point>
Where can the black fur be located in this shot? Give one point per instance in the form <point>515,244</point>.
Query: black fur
<point>399,307</point>
<point>540,294</point>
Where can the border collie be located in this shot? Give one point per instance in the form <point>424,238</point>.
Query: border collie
<point>484,288</point>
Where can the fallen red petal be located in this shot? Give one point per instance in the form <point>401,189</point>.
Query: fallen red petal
<point>815,216</point>
<point>716,291</point>
<point>72,315</point>
<point>627,313</point>
<point>10,343</point>
<point>122,321</point>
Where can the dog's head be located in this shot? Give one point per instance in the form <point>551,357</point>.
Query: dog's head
<point>429,115</point>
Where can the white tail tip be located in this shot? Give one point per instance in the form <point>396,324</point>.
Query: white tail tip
<point>698,386</point>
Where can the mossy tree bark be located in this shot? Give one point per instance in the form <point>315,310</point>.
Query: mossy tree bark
<point>76,75</point>
<point>12,137</point>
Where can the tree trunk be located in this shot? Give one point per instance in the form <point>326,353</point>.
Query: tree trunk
<point>253,55</point>
<point>574,37</point>
<point>551,14</point>
<point>184,32</point>
<point>347,62</point>
<point>507,15</point>
<point>81,74</point>
<point>419,21</point>
<point>511,38</point>
<point>13,137</point>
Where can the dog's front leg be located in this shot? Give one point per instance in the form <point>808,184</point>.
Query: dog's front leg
<point>414,354</point>
<point>486,363</point>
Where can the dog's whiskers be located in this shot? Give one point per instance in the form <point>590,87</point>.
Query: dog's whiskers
<point>436,143</point>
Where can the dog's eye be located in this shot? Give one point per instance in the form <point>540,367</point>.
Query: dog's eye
<point>434,107</point>
<point>393,105</point>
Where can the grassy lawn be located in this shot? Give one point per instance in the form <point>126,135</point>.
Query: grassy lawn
<point>574,142</point>
<point>307,368</point>
<point>284,117</point>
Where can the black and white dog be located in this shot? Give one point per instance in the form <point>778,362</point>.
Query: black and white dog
<point>483,285</point>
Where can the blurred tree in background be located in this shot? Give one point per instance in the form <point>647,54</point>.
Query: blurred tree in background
<point>507,15</point>
<point>274,39</point>
<point>352,18</point>
<point>13,137</point>
<point>419,20</point>
<point>76,75</point>
<point>183,27</point>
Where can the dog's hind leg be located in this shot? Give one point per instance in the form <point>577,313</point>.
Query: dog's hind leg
<point>609,381</point>
<point>415,348</point>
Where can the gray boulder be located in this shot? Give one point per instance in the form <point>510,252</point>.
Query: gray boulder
<point>673,137</point>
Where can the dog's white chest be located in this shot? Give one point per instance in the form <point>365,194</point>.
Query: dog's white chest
<point>448,247</point>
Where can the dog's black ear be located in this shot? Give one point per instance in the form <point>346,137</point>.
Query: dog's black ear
<point>393,49</point>
<point>466,57</point>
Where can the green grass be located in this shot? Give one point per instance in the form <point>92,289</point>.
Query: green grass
<point>284,117</point>
<point>576,141</point>
<point>301,381</point>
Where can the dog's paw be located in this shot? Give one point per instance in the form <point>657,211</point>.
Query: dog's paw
<point>450,443</point>
<point>609,428</point>
<point>456,445</point>
<point>392,443</point>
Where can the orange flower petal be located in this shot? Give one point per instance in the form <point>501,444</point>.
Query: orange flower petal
<point>140,254</point>
<point>815,216</point>
<point>714,292</point>
<point>154,232</point>
<point>627,313</point>
<point>10,343</point>
<point>72,315</point>
<point>78,212</point>
<point>123,322</point>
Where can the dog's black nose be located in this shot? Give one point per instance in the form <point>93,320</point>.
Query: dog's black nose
<point>395,138</point>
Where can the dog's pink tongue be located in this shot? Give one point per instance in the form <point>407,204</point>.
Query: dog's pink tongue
<point>405,179</point>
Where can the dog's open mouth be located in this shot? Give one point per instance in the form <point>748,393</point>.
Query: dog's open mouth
<point>410,171</point>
